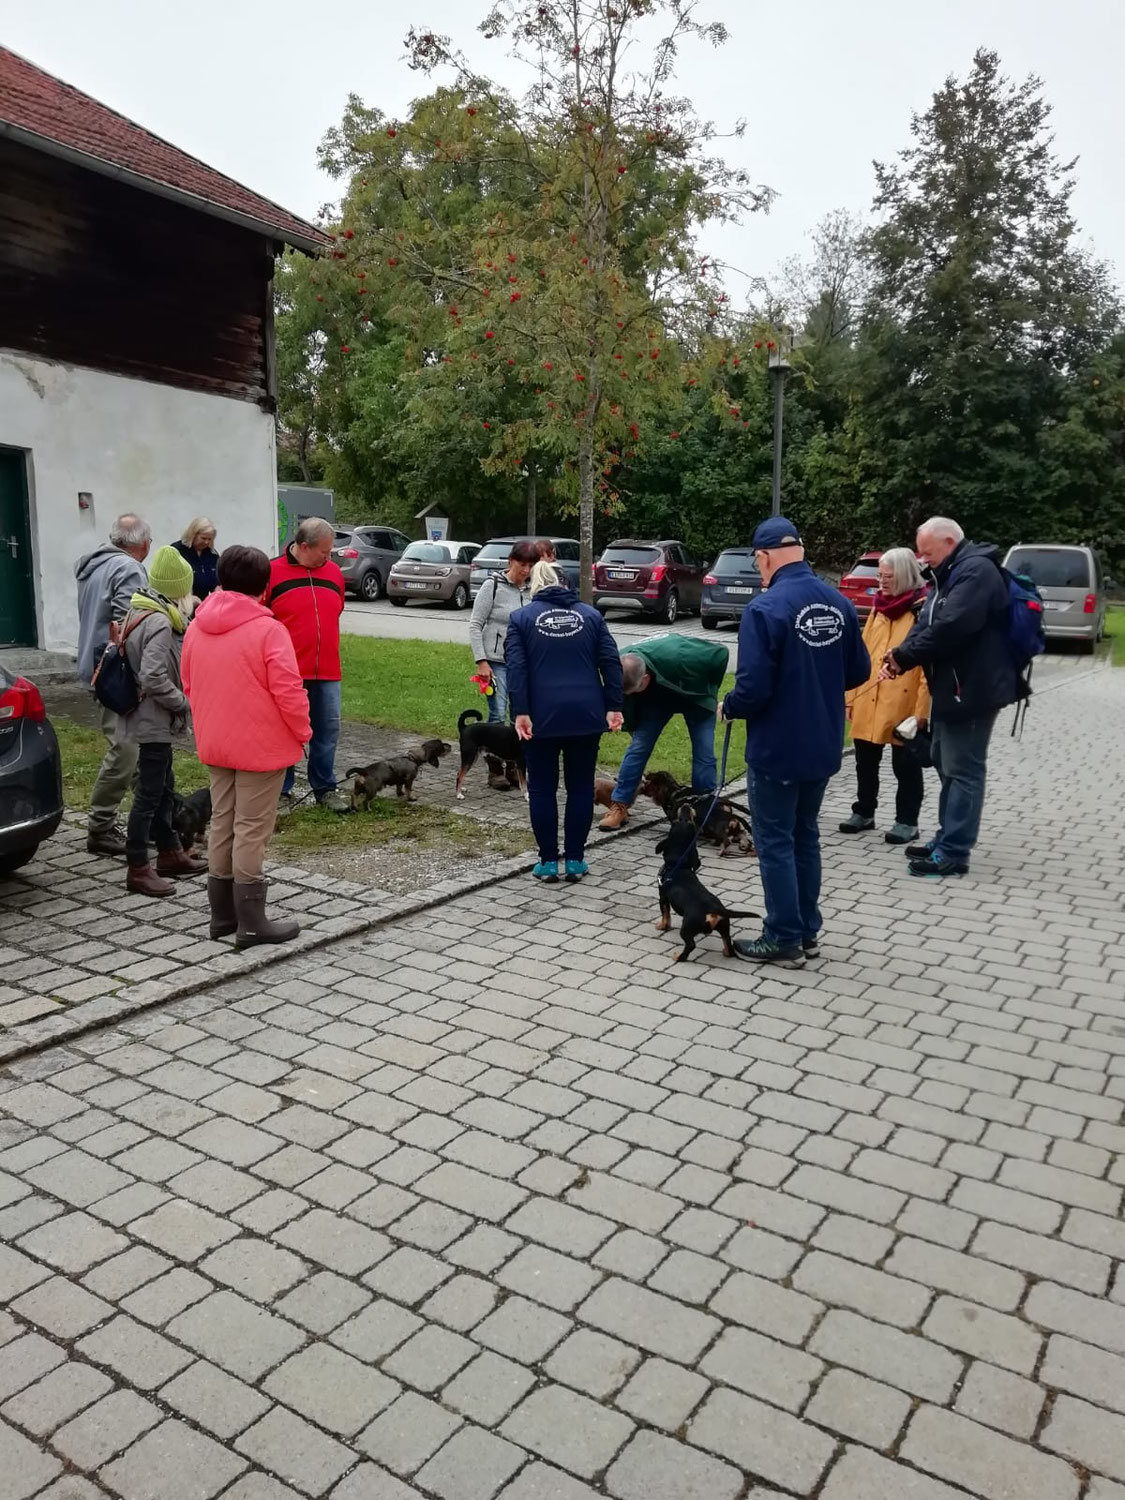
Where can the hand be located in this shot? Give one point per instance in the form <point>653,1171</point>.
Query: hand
<point>889,669</point>
<point>523,726</point>
<point>923,724</point>
<point>614,721</point>
<point>720,717</point>
<point>484,670</point>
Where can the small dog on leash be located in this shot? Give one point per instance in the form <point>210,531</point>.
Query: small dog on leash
<point>723,825</point>
<point>478,737</point>
<point>398,771</point>
<point>681,890</point>
<point>191,817</point>
<point>603,792</point>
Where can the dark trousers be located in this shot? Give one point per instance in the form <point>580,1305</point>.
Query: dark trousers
<point>580,763</point>
<point>150,818</point>
<point>784,817</point>
<point>960,753</point>
<point>910,787</point>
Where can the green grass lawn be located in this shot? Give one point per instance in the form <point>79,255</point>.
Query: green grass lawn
<point>423,686</point>
<point>308,827</point>
<point>1115,630</point>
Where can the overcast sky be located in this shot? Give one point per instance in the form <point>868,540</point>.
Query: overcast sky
<point>251,87</point>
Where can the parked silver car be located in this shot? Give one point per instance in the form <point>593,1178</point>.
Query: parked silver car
<point>433,571</point>
<point>1073,587</point>
<point>366,555</point>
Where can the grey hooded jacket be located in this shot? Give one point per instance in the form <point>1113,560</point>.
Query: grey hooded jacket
<point>492,609</point>
<point>107,579</point>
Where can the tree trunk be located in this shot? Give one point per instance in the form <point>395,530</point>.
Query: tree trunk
<point>532,505</point>
<point>303,454</point>
<point>586,514</point>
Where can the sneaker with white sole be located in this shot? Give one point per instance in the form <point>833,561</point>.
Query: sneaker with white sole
<point>764,950</point>
<point>901,833</point>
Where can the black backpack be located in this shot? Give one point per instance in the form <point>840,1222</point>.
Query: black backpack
<point>113,682</point>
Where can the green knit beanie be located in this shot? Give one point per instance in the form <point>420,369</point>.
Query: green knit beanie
<point>170,574</point>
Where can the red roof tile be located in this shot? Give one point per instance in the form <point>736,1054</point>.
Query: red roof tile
<point>41,105</point>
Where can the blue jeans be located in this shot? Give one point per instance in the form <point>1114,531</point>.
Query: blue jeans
<point>324,714</point>
<point>580,763</point>
<point>498,703</point>
<point>960,753</point>
<point>648,727</point>
<point>783,815</point>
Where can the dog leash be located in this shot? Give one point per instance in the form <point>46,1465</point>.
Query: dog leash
<point>666,876</point>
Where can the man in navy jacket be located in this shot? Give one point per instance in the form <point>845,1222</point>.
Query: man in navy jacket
<point>799,649</point>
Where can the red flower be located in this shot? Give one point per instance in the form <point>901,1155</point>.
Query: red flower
<point>391,131</point>
<point>391,261</point>
<point>363,291</point>
<point>511,259</point>
<point>547,365</point>
<point>620,171</point>
<point>471,110</point>
<point>634,430</point>
<point>361,274</point>
<point>673,434</point>
<point>489,334</point>
<point>758,345</point>
<point>344,349</point>
<point>511,361</point>
<point>454,310</point>
<point>734,411</point>
<point>736,361</point>
<point>771,344</point>
<point>621,325</point>
<point>515,297</point>
<point>485,425</point>
<point>656,354</point>
<point>349,234</point>
<point>617,356</point>
<point>513,279</point>
<point>579,376</point>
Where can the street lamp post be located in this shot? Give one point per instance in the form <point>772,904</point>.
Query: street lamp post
<point>779,367</point>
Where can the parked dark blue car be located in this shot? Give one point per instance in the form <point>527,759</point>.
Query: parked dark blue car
<point>31,804</point>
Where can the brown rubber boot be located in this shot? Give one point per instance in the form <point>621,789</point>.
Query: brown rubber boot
<point>143,880</point>
<point>220,894</point>
<point>617,817</point>
<point>175,862</point>
<point>253,924</point>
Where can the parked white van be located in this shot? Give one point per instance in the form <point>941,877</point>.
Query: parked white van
<point>1072,584</point>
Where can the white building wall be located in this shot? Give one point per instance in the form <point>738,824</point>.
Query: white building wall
<point>165,454</point>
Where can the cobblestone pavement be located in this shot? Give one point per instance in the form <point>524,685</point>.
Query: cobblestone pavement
<point>497,1202</point>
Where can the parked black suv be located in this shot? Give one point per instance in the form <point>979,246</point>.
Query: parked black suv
<point>729,586</point>
<point>493,558</point>
<point>31,805</point>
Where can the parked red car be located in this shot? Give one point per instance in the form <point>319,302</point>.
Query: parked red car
<point>658,578</point>
<point>862,584</point>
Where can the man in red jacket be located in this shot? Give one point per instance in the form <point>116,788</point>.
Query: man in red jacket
<point>306,594</point>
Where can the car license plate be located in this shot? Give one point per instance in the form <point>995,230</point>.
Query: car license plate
<point>417,585</point>
<point>624,577</point>
<point>874,590</point>
<point>1054,604</point>
<point>732,590</point>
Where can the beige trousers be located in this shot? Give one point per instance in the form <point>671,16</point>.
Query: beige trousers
<point>243,814</point>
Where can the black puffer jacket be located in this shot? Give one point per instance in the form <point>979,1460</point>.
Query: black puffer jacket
<point>960,638</point>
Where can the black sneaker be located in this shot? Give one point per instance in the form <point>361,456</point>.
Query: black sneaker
<point>937,867</point>
<point>764,951</point>
<point>919,851</point>
<point>811,947</point>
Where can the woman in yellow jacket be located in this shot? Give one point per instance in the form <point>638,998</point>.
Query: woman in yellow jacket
<point>877,707</point>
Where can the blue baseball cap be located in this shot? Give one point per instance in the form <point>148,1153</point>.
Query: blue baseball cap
<point>776,532</point>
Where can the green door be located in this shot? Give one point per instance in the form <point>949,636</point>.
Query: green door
<point>17,594</point>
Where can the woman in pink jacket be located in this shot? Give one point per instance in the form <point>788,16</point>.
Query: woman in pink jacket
<point>251,717</point>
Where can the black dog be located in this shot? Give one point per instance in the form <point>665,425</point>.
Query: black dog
<point>477,737</point>
<point>399,771</point>
<point>191,816</point>
<point>682,891</point>
<point>723,825</point>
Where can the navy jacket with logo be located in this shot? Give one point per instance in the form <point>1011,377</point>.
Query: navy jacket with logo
<point>800,648</point>
<point>563,667</point>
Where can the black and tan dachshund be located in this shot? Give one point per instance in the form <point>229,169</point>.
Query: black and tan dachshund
<point>398,771</point>
<point>724,826</point>
<point>681,891</point>
<point>478,737</point>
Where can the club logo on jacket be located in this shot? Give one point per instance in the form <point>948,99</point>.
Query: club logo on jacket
<point>820,624</point>
<point>559,623</point>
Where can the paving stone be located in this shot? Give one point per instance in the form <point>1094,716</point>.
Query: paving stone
<point>407,1433</point>
<point>761,1367</point>
<point>331,1240</point>
<point>1089,1319</point>
<point>568,1429</point>
<point>376,1331</point>
<point>992,1336</point>
<point>73,1243</point>
<point>859,1408</point>
<point>291,1448</point>
<point>102,1430</point>
<point>663,1394</point>
<point>471,1466</point>
<point>631,1254</point>
<point>331,1388</point>
<point>887,1354</point>
<point>159,1301</point>
<point>1000,1399</point>
<point>592,1363</point>
<point>861,1475</point>
<point>560,1226</point>
<point>256,1486</point>
<point>77,1178</point>
<point>408,1275</point>
<point>323,1302</point>
<point>430,1358</point>
<point>487,1389</point>
<point>254,1268</point>
<point>762,1440</point>
<point>62,1307</point>
<point>60,1395</point>
<point>461,1303</point>
<point>548,1277</point>
<point>26,1469</point>
<point>522,1330</point>
<point>142,1358</point>
<point>648,1320</point>
<point>768,1308</point>
<point>1049,1259</point>
<point>984,1462</point>
<point>173,1462</point>
<point>243,1338</point>
<point>213,1399</point>
<point>1088,1434</point>
<point>544,1482</point>
<point>72,1487</point>
<point>183,1230</point>
<point>948,1271</point>
<point>369,1482</point>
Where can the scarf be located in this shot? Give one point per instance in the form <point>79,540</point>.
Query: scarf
<point>897,605</point>
<point>150,599</point>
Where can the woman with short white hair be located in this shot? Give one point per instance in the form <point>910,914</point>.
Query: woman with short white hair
<point>197,547</point>
<point>879,705</point>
